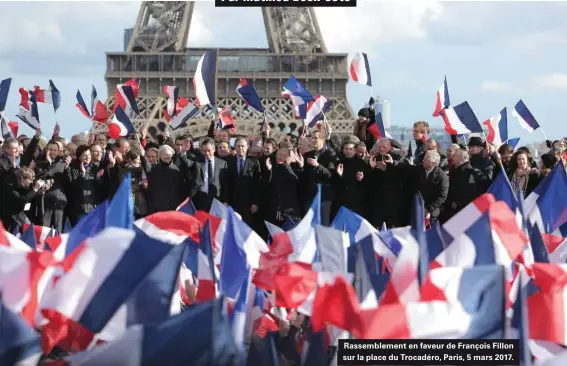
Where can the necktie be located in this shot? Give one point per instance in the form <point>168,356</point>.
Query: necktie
<point>241,167</point>
<point>210,172</point>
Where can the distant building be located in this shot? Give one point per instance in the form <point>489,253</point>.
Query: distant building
<point>385,110</point>
<point>128,32</point>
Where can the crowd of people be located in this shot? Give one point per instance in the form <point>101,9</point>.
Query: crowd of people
<point>261,178</point>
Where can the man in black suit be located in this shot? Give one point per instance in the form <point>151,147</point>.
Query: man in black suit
<point>318,169</point>
<point>244,182</point>
<point>211,178</point>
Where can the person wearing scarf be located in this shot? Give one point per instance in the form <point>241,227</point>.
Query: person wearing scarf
<point>523,178</point>
<point>84,185</point>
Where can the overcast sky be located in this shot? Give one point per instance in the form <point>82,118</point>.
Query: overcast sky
<point>493,53</point>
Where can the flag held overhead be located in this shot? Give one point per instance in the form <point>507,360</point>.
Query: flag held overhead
<point>360,69</point>
<point>525,117</point>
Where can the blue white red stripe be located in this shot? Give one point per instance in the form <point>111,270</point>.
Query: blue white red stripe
<point>497,128</point>
<point>204,81</point>
<point>524,117</point>
<point>443,101</point>
<point>360,69</point>
<point>460,120</point>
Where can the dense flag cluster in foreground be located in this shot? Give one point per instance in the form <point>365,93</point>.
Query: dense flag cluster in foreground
<point>166,287</point>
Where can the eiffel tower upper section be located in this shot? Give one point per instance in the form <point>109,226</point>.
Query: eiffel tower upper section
<point>157,55</point>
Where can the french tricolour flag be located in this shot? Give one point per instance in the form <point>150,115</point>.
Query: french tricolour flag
<point>360,69</point>
<point>120,125</point>
<point>19,343</point>
<point>172,93</point>
<point>316,110</point>
<point>497,128</point>
<point>29,113</point>
<point>248,94</point>
<point>525,117</point>
<point>461,120</point>
<point>9,128</point>
<point>126,95</point>
<point>377,128</point>
<point>188,111</point>
<point>204,81</point>
<point>443,101</point>
<point>115,262</point>
<point>299,96</point>
<point>51,96</point>
<point>98,111</point>
<point>4,90</point>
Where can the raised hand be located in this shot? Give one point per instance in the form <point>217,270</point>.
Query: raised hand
<point>340,170</point>
<point>300,160</point>
<point>269,164</point>
<point>313,162</point>
<point>372,162</point>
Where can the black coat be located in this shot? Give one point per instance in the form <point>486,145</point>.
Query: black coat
<point>283,188</point>
<point>433,188</point>
<point>349,192</point>
<point>167,187</point>
<point>322,174</point>
<point>16,201</point>
<point>485,166</point>
<point>84,191</point>
<point>244,187</point>
<point>465,184</point>
<point>388,190</point>
<point>55,197</point>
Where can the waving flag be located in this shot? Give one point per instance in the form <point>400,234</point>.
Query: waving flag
<point>546,204</point>
<point>377,128</point>
<point>94,95</point>
<point>51,96</point>
<point>248,94</point>
<point>241,251</point>
<point>225,120</point>
<point>461,120</point>
<point>4,91</point>
<point>120,125</point>
<point>98,111</point>
<point>316,110</point>
<point>513,142</point>
<point>299,96</point>
<point>497,128</point>
<point>125,97</point>
<point>9,128</point>
<point>19,344</point>
<point>170,341</point>
<point>29,115</point>
<point>185,114</point>
<point>525,117</point>
<point>204,81</point>
<point>172,93</point>
<point>443,101</point>
<point>117,261</point>
<point>360,69</point>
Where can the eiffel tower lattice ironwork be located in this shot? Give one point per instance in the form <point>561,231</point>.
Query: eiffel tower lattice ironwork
<point>157,56</point>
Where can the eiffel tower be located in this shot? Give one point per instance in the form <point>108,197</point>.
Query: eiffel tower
<point>157,56</point>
